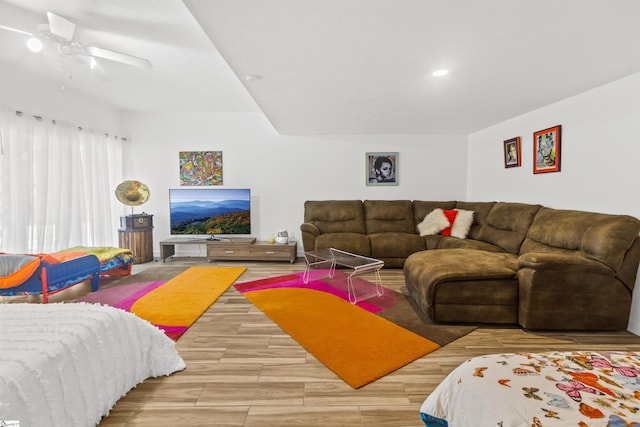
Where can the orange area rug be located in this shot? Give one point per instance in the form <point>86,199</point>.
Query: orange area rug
<point>181,300</point>
<point>360,347</point>
<point>173,305</point>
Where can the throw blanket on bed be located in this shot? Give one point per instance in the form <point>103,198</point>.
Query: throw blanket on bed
<point>580,388</point>
<point>67,364</point>
<point>15,269</point>
<point>113,261</point>
<point>102,252</point>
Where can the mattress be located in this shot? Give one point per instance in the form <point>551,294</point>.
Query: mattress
<point>68,364</point>
<point>579,388</point>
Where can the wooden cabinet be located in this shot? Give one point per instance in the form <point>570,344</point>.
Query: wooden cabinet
<point>251,250</point>
<point>137,234</point>
<point>140,243</point>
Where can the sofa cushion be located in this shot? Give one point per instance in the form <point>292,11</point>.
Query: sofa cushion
<point>450,285</point>
<point>395,245</point>
<point>388,216</point>
<point>470,264</point>
<point>455,243</point>
<point>606,237</point>
<point>334,216</point>
<point>351,242</point>
<point>506,225</point>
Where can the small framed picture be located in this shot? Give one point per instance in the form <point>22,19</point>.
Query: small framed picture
<point>512,152</point>
<point>546,150</point>
<point>382,168</point>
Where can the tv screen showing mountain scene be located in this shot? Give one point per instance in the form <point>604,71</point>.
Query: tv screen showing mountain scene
<point>210,211</point>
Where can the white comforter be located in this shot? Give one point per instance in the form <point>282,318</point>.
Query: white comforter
<point>67,364</point>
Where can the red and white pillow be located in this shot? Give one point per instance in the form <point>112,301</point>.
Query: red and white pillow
<point>454,222</point>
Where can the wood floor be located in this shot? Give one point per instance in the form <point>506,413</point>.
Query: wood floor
<point>243,370</point>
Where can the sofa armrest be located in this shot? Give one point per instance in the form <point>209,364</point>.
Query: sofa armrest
<point>309,235</point>
<point>307,227</point>
<point>547,261</point>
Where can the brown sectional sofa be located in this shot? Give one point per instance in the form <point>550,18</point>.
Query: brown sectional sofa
<point>523,264</point>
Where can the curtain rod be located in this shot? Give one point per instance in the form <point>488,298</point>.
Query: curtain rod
<point>53,122</point>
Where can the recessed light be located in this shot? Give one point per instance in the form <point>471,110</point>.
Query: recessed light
<point>252,77</point>
<point>440,73</point>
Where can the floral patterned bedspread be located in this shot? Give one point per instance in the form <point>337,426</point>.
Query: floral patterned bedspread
<point>580,388</point>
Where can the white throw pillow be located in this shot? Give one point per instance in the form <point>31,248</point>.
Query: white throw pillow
<point>462,224</point>
<point>433,223</point>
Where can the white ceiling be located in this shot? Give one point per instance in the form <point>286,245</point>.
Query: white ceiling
<point>341,66</point>
<point>188,73</point>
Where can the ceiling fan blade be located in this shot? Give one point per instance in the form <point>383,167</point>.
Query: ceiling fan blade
<point>15,30</point>
<point>118,57</point>
<point>61,27</point>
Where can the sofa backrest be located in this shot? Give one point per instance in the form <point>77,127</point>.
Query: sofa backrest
<point>480,212</point>
<point>335,216</point>
<point>383,216</point>
<point>506,225</point>
<point>611,239</point>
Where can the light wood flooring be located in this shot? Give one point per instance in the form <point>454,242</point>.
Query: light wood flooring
<point>243,370</point>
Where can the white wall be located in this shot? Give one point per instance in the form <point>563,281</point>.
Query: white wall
<point>600,158</point>
<point>284,171</point>
<point>33,95</point>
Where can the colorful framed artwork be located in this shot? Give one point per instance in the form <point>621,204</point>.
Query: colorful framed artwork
<point>382,168</point>
<point>512,152</point>
<point>200,168</point>
<point>546,150</point>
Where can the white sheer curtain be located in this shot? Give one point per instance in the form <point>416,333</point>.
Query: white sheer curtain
<point>57,185</point>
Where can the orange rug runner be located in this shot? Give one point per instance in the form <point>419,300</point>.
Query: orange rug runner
<point>357,345</point>
<point>181,300</point>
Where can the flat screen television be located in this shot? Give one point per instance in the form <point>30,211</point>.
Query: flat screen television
<point>210,211</point>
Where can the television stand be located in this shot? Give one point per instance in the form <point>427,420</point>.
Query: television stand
<point>248,249</point>
<point>168,246</point>
<point>233,249</point>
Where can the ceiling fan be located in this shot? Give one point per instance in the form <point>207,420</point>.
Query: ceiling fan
<point>60,30</point>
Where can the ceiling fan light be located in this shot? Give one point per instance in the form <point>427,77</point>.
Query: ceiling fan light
<point>34,44</point>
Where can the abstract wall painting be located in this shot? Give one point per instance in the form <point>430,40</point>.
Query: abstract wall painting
<point>200,168</point>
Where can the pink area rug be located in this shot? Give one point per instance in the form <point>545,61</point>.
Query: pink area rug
<point>365,290</point>
<point>121,296</point>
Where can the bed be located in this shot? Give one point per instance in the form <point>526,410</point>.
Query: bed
<point>68,364</point>
<point>579,388</point>
<point>46,274</point>
<point>113,261</point>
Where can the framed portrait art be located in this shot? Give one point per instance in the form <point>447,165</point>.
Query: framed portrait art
<point>382,168</point>
<point>546,150</point>
<point>512,152</point>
